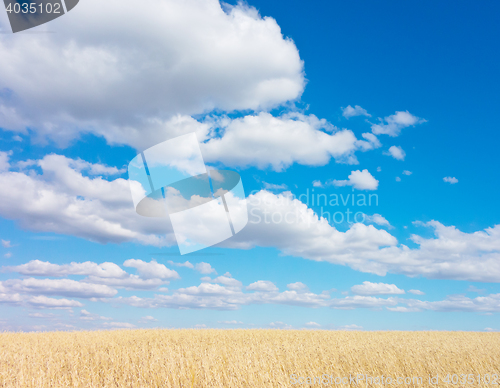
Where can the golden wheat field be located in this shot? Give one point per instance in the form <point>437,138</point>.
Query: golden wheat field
<point>247,358</point>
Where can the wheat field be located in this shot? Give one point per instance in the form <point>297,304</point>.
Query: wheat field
<point>245,358</point>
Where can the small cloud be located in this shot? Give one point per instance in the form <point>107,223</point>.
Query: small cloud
<point>317,184</point>
<point>200,326</point>
<point>353,112</point>
<point>186,264</point>
<point>451,180</point>
<point>17,138</point>
<point>6,244</point>
<point>231,322</point>
<point>406,172</point>
<point>368,288</point>
<point>416,292</point>
<point>398,179</point>
<point>119,325</point>
<point>163,289</point>
<point>312,324</point>
<point>262,285</point>
<point>395,123</point>
<point>271,186</point>
<point>204,268</point>
<point>350,327</point>
<point>360,180</point>
<point>475,289</point>
<point>298,286</point>
<point>8,255</point>
<point>377,219</point>
<point>280,325</point>
<point>489,329</point>
<point>148,319</point>
<point>379,169</point>
<point>396,152</point>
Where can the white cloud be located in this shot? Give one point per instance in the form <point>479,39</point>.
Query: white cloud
<point>164,63</point>
<point>371,142</point>
<point>8,255</point>
<point>186,264</point>
<point>377,219</point>
<point>379,169</point>
<point>51,303</point>
<point>262,285</point>
<point>356,111</point>
<point>406,172</point>
<point>87,316</point>
<point>271,186</point>
<point>148,319</point>
<point>151,270</point>
<point>119,325</point>
<point>451,180</point>
<point>398,179</point>
<point>280,325</point>
<point>368,288</point>
<point>204,268</point>
<point>317,184</point>
<point>396,152</point>
<point>392,125</point>
<point>60,287</point>
<point>200,326</point>
<point>4,160</point>
<point>108,274</point>
<point>358,301</point>
<point>278,142</point>
<point>312,324</point>
<point>298,286</point>
<point>226,280</point>
<point>416,292</point>
<point>62,200</point>
<point>360,180</point>
<point>234,322</point>
<point>472,288</point>
<point>45,268</point>
<point>6,244</point>
<point>351,327</point>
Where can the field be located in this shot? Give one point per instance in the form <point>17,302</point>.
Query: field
<point>246,358</point>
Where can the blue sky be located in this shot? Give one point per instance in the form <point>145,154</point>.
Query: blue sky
<point>394,100</point>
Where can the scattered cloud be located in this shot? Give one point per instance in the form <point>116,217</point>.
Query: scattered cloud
<point>368,288</point>
<point>262,285</point>
<point>406,172</point>
<point>312,324</point>
<point>271,186</point>
<point>151,270</point>
<point>451,180</point>
<point>393,124</point>
<point>317,184</point>
<point>6,244</point>
<point>396,152</point>
<point>352,327</point>
<point>234,322</point>
<point>360,180</point>
<point>298,286</point>
<point>204,268</point>
<point>186,264</point>
<point>148,319</point>
<point>416,292</point>
<point>356,111</point>
<point>377,219</point>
